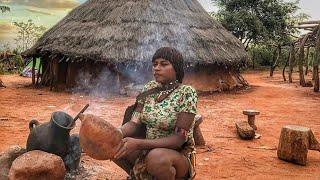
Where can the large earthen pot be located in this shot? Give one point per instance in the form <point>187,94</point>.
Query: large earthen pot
<point>98,138</point>
<point>52,136</point>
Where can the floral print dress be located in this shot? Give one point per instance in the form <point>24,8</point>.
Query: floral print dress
<point>160,119</point>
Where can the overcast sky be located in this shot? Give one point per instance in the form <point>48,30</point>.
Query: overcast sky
<point>310,7</point>
<point>49,12</point>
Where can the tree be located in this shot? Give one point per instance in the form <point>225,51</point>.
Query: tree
<point>28,34</point>
<point>3,9</point>
<point>259,21</point>
<point>316,62</point>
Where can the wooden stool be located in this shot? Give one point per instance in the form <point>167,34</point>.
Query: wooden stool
<point>251,117</point>
<point>294,143</point>
<point>197,134</point>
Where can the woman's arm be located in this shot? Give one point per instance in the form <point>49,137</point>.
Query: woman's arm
<point>132,127</point>
<point>174,141</point>
<point>177,139</point>
<point>131,144</point>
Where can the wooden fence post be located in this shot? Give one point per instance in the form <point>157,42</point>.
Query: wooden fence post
<point>316,62</point>
<point>33,70</point>
<point>291,61</point>
<point>301,60</point>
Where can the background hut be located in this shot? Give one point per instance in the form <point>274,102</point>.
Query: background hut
<point>121,36</point>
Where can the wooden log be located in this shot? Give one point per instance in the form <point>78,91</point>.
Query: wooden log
<point>244,130</point>
<point>309,22</point>
<point>294,143</point>
<point>197,134</point>
<point>306,26</point>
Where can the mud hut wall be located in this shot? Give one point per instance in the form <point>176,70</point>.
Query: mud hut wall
<point>201,77</point>
<point>135,74</point>
<point>74,69</point>
<point>45,70</point>
<point>71,74</point>
<point>55,71</point>
<point>93,72</point>
<point>62,72</point>
<point>211,78</point>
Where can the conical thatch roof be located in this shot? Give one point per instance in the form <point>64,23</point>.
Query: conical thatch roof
<point>126,31</point>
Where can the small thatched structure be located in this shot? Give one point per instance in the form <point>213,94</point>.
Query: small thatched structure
<point>124,34</point>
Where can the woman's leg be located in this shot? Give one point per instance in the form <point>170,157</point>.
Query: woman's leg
<point>167,164</point>
<point>126,163</point>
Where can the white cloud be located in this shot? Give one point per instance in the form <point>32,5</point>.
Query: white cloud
<point>7,33</point>
<point>44,3</point>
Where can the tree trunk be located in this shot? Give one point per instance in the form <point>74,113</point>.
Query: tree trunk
<point>33,70</point>
<point>284,68</point>
<point>294,143</point>
<point>316,63</point>
<point>253,58</point>
<point>307,60</point>
<point>291,61</point>
<point>275,63</point>
<point>247,46</point>
<point>301,60</point>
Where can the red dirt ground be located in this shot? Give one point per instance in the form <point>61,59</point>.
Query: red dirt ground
<point>226,156</point>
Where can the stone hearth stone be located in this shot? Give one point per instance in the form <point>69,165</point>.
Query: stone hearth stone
<point>35,165</point>
<point>6,159</point>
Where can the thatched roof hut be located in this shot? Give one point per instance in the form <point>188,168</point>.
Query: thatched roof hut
<point>124,34</point>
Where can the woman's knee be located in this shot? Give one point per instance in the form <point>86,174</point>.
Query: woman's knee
<point>157,160</point>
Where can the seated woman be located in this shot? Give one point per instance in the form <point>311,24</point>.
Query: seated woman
<point>166,108</point>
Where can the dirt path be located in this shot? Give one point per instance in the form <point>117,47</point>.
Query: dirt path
<point>279,103</point>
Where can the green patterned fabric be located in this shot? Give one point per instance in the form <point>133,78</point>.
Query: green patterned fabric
<point>160,119</point>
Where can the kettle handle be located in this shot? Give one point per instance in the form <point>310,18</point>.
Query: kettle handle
<point>32,123</point>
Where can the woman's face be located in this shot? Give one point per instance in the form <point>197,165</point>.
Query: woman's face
<point>163,71</point>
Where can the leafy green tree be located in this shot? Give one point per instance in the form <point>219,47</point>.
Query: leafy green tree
<point>259,21</point>
<point>28,34</point>
<point>4,9</point>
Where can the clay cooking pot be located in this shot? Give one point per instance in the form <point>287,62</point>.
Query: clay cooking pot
<point>52,136</point>
<point>98,138</point>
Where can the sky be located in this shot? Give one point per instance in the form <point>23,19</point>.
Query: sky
<point>49,12</point>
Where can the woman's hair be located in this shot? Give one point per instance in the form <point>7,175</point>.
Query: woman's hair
<point>174,57</point>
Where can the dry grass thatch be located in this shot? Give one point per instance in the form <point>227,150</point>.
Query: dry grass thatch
<point>126,31</point>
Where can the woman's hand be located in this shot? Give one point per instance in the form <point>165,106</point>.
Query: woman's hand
<point>129,145</point>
